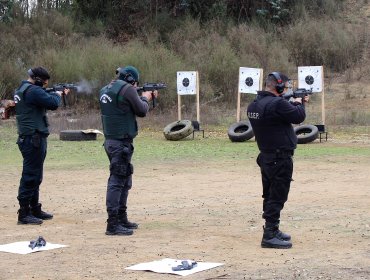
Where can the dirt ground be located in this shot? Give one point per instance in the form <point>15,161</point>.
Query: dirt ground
<point>206,211</point>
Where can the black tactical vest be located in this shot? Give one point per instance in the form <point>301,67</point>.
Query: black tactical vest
<point>30,119</point>
<point>118,119</point>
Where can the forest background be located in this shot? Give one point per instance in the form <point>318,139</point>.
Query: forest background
<point>85,41</point>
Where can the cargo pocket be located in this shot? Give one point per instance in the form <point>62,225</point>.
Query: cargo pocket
<point>119,168</point>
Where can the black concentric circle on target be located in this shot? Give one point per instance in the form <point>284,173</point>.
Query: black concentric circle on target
<point>249,81</point>
<point>185,82</point>
<point>309,80</point>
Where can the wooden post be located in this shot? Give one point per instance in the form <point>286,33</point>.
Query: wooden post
<point>323,99</point>
<point>238,107</point>
<point>198,103</point>
<point>179,107</point>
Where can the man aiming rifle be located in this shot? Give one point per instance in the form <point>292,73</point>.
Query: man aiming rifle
<point>120,104</point>
<point>31,104</point>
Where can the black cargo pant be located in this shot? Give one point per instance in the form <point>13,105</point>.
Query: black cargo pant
<point>119,153</point>
<point>33,149</point>
<point>276,171</point>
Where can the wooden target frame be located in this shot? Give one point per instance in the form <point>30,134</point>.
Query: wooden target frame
<point>312,78</point>
<point>188,84</point>
<point>250,80</point>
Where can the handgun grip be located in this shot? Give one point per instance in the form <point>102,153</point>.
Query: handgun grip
<point>64,100</point>
<point>154,100</point>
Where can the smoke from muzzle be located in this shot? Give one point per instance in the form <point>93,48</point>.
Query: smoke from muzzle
<point>85,86</point>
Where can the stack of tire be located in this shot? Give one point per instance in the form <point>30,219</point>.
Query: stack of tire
<point>240,131</point>
<point>178,130</point>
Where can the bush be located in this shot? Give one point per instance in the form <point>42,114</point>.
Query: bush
<point>323,42</point>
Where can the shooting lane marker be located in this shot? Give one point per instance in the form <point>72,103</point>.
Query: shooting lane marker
<point>22,247</point>
<point>250,81</point>
<point>312,77</point>
<point>188,84</point>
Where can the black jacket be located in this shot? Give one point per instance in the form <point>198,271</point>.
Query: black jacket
<point>271,118</point>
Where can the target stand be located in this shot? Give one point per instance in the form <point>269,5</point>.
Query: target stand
<point>250,81</point>
<point>312,78</point>
<point>188,84</point>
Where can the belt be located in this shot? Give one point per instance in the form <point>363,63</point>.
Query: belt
<point>279,152</point>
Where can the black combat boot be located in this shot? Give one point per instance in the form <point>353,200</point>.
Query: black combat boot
<point>123,220</point>
<point>26,218</point>
<point>114,228</point>
<point>271,239</point>
<point>283,236</point>
<point>38,213</point>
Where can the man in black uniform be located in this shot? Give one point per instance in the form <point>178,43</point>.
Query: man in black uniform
<point>31,102</point>
<point>271,117</point>
<point>120,104</point>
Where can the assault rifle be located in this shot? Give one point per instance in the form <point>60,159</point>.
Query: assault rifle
<point>298,93</point>
<point>61,87</point>
<point>151,87</point>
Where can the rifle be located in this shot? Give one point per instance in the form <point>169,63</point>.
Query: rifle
<point>61,87</point>
<point>298,93</point>
<point>151,87</point>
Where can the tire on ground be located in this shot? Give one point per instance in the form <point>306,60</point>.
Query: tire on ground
<point>178,130</point>
<point>240,131</point>
<point>306,133</point>
<point>76,135</point>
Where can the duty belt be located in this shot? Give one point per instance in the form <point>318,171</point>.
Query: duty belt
<point>279,153</point>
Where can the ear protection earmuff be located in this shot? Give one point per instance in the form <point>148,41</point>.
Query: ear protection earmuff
<point>38,81</point>
<point>126,76</point>
<point>280,86</point>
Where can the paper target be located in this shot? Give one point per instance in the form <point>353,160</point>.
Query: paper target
<point>186,82</point>
<point>310,77</point>
<point>249,80</point>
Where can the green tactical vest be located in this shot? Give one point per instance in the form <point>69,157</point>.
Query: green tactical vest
<point>118,119</point>
<point>30,119</point>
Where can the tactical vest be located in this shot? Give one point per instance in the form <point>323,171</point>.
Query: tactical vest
<point>30,119</point>
<point>118,119</point>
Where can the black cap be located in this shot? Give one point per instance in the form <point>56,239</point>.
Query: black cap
<point>39,72</point>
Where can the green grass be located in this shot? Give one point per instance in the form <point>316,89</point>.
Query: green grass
<point>151,147</point>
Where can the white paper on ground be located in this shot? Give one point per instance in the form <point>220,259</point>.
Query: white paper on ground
<point>22,247</point>
<point>165,266</point>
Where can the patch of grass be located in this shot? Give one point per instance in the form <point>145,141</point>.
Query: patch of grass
<point>151,147</point>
